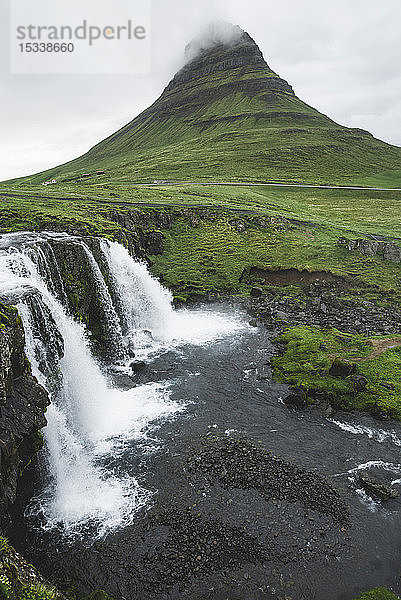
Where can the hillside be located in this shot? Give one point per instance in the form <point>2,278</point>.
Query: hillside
<point>227,116</point>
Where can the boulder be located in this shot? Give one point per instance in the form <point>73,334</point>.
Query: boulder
<point>342,368</point>
<point>138,366</point>
<point>256,292</point>
<point>368,247</point>
<point>375,487</point>
<point>297,400</point>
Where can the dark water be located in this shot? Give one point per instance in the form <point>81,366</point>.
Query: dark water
<point>227,390</point>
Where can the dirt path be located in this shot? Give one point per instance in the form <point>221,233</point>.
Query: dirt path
<point>380,346</point>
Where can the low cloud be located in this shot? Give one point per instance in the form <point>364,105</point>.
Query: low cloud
<point>217,32</point>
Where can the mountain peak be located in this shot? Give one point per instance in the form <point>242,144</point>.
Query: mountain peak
<point>227,114</point>
<point>224,53</point>
<point>217,33</point>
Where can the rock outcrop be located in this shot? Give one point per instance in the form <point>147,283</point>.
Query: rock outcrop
<point>378,488</point>
<point>322,304</point>
<point>388,250</point>
<point>23,404</point>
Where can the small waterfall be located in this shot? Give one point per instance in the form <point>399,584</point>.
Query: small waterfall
<point>43,256</point>
<point>144,305</point>
<point>145,308</point>
<point>90,421</point>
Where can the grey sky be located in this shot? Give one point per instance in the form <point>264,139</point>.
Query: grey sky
<point>341,57</point>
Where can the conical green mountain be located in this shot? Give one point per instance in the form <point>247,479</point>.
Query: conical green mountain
<point>227,116</point>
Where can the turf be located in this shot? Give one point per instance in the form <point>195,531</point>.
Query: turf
<point>310,353</point>
<point>243,227</point>
<point>378,594</point>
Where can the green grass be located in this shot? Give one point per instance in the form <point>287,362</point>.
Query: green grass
<point>378,594</point>
<point>208,250</point>
<point>213,255</point>
<point>363,211</point>
<point>310,352</point>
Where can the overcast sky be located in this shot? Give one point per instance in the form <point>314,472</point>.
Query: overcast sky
<point>343,57</point>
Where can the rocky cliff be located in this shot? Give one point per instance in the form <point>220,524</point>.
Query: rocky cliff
<point>23,404</point>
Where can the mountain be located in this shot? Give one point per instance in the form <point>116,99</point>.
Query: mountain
<point>226,115</point>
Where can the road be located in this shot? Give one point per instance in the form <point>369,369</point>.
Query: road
<point>247,184</point>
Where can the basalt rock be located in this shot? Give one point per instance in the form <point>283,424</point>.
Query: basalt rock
<point>388,250</point>
<point>138,366</point>
<point>23,404</point>
<point>321,304</point>
<point>377,488</point>
<point>256,292</point>
<point>342,368</point>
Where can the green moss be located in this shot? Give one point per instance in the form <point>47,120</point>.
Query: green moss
<point>15,577</point>
<point>378,594</point>
<point>307,360</point>
<point>4,586</point>
<point>98,595</point>
<point>35,592</point>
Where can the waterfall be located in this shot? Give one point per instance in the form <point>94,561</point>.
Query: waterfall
<point>146,307</point>
<point>87,417</point>
<point>90,420</point>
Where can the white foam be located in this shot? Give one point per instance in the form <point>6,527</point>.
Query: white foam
<point>89,418</point>
<point>379,435</point>
<point>371,464</point>
<point>150,324</point>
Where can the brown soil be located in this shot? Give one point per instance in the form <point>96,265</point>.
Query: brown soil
<point>286,276</point>
<point>380,346</point>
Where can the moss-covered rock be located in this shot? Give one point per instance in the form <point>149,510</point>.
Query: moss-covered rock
<point>20,580</point>
<point>352,372</point>
<point>342,368</point>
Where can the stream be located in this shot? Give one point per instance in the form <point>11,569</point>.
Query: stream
<point>113,502</point>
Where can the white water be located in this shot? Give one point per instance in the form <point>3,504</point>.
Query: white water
<point>379,435</point>
<point>148,308</point>
<point>89,418</point>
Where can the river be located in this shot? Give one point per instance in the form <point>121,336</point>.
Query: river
<point>118,498</point>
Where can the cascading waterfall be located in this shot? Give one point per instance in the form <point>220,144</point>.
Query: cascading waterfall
<point>113,322</point>
<point>89,419</point>
<point>147,307</point>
